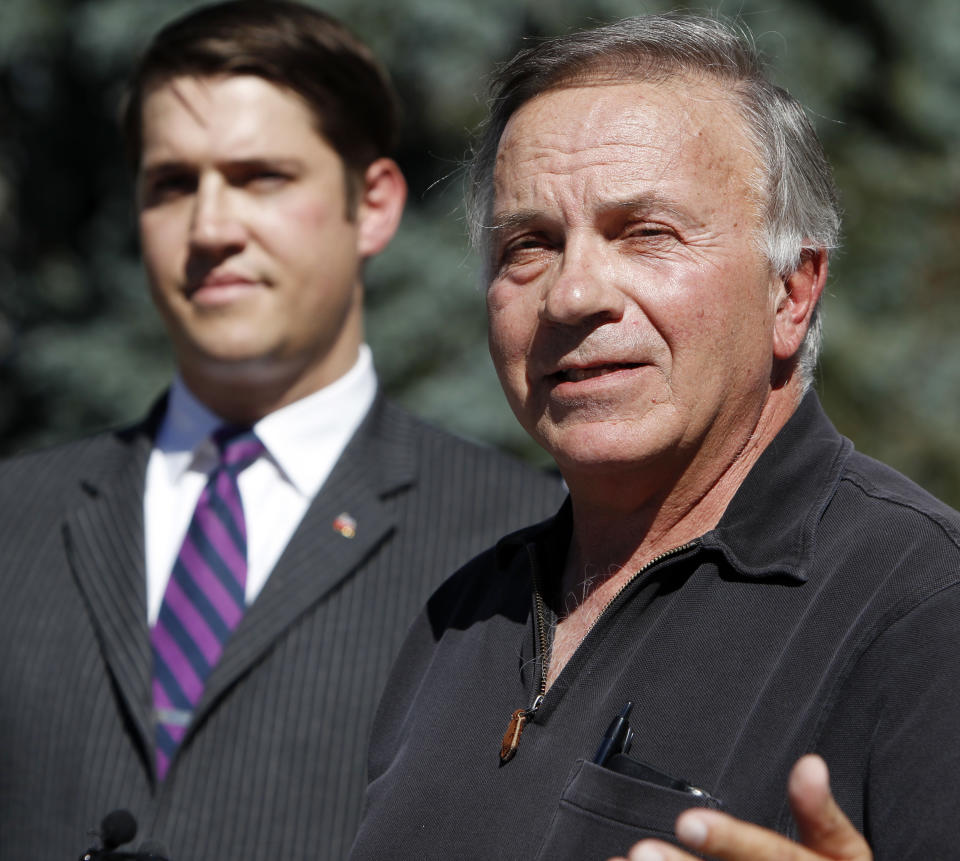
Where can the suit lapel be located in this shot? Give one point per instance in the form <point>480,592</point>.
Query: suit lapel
<point>103,537</point>
<point>378,461</point>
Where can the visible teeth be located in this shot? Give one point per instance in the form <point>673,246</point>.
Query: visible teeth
<point>577,375</point>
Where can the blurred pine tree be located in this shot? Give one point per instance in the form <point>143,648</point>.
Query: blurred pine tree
<point>81,349</point>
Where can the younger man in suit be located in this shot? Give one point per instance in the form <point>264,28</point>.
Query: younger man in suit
<point>197,614</point>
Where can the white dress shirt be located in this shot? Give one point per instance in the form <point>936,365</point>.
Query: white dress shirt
<point>303,442</point>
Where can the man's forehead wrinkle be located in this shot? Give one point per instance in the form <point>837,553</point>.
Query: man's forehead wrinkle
<point>661,154</point>
<point>533,164</point>
<point>634,128</point>
<point>585,176</point>
<point>635,141</point>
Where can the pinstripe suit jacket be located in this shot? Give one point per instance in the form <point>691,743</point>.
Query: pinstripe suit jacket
<point>274,765</point>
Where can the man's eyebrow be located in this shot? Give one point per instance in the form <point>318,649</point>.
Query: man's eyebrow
<point>175,165</point>
<point>642,204</point>
<point>272,162</point>
<point>515,219</point>
<point>645,203</point>
<point>170,165</point>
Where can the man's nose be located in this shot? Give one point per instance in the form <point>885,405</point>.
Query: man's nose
<point>216,226</point>
<point>583,290</point>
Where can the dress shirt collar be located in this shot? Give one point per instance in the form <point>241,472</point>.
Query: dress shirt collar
<point>304,439</point>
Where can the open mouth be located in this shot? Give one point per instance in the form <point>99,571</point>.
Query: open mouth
<point>578,375</point>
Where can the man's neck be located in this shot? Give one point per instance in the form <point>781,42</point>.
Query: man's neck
<point>243,396</point>
<point>617,531</point>
<point>628,517</point>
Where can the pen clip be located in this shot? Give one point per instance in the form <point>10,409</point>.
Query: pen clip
<point>617,738</point>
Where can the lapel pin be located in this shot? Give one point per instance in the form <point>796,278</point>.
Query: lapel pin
<point>345,525</point>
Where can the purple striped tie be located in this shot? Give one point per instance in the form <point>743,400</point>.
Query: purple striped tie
<point>204,600</point>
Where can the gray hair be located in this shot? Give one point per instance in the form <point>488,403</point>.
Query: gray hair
<point>800,210</point>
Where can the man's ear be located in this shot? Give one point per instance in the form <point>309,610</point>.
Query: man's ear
<point>380,206</point>
<point>797,297</point>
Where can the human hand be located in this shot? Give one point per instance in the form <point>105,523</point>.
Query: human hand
<point>825,831</point>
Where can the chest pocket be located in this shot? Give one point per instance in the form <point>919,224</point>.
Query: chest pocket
<point>603,813</point>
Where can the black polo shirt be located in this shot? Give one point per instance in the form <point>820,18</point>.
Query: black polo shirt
<point>822,614</point>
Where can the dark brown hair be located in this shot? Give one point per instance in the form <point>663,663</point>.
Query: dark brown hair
<point>290,45</point>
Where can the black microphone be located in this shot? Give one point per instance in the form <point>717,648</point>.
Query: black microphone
<point>119,827</point>
<point>116,828</point>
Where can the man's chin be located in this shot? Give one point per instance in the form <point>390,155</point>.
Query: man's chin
<point>601,450</point>
<point>597,438</point>
<point>239,366</point>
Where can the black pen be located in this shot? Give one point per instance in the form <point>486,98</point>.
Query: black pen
<point>617,738</point>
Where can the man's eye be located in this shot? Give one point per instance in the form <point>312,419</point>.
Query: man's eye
<point>523,258</point>
<point>169,186</point>
<point>649,232</point>
<point>522,249</point>
<point>265,180</point>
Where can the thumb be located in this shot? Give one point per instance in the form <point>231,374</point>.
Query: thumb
<point>823,826</point>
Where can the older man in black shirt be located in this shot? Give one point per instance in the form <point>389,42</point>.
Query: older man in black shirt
<point>729,576</point>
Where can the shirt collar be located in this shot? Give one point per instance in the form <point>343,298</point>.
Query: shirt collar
<point>307,437</point>
<point>304,438</point>
<point>770,524</point>
<point>184,433</point>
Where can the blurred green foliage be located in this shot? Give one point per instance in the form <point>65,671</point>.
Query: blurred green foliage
<point>80,347</point>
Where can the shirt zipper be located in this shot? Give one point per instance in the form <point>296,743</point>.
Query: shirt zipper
<point>521,717</point>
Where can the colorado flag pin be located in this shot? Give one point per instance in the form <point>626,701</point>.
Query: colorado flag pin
<point>345,525</point>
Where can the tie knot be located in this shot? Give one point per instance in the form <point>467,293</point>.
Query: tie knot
<point>238,446</point>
